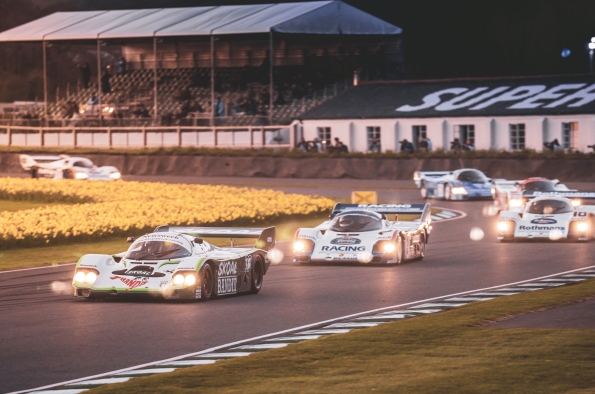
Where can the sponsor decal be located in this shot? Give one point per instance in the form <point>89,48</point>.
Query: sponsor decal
<point>248,262</point>
<point>228,268</point>
<point>226,285</point>
<point>541,228</point>
<point>544,221</point>
<point>139,271</point>
<point>346,241</point>
<point>227,277</point>
<point>521,97</point>
<point>164,237</point>
<point>163,284</point>
<point>344,248</point>
<point>198,293</point>
<point>384,206</point>
<point>562,194</point>
<point>131,283</point>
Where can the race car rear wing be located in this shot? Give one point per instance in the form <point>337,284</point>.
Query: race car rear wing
<point>388,209</point>
<point>266,236</point>
<point>28,161</point>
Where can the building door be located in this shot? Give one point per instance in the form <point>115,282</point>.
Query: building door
<point>417,133</point>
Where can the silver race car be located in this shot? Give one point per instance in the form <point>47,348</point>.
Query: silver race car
<point>66,167</point>
<point>175,262</point>
<point>363,233</point>
<point>550,216</point>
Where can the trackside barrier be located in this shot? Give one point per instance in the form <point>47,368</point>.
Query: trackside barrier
<point>148,136</point>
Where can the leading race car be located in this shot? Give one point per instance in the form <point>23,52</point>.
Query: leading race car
<point>463,184</point>
<point>175,262</point>
<point>362,233</point>
<point>508,195</point>
<point>550,216</point>
<point>66,167</point>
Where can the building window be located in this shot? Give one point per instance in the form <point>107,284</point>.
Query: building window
<point>465,133</point>
<point>570,135</point>
<point>324,135</point>
<point>417,134</point>
<point>517,136</point>
<point>373,133</point>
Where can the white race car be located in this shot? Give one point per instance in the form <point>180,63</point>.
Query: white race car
<point>175,262</point>
<point>362,233</point>
<point>513,195</point>
<point>550,216</point>
<point>66,167</point>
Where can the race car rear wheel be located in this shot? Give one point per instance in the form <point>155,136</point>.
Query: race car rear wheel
<point>207,283</point>
<point>423,190</point>
<point>447,192</point>
<point>257,275</point>
<point>422,247</point>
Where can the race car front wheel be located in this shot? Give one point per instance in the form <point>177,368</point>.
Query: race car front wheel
<point>257,275</point>
<point>207,283</point>
<point>400,250</point>
<point>447,192</point>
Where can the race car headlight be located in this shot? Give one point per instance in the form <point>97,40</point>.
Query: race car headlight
<point>503,226</point>
<point>81,175</point>
<point>90,278</point>
<point>189,280</point>
<point>389,247</point>
<point>582,226</point>
<point>493,191</point>
<point>459,190</point>
<point>298,246</point>
<point>415,176</point>
<point>575,203</point>
<point>79,277</point>
<point>115,175</point>
<point>178,279</point>
<point>515,202</point>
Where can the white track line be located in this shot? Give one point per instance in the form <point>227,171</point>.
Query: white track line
<point>461,213</point>
<point>228,345</point>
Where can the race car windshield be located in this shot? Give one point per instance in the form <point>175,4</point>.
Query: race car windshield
<point>355,222</point>
<point>548,207</point>
<point>472,176</point>
<point>82,164</point>
<point>155,250</point>
<point>541,186</point>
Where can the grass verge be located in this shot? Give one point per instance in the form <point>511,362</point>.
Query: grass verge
<point>449,352</point>
<point>30,257</point>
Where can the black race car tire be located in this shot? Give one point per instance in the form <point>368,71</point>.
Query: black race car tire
<point>423,190</point>
<point>257,275</point>
<point>400,251</point>
<point>207,283</point>
<point>422,247</point>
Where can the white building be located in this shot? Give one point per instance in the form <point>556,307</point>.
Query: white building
<point>498,114</point>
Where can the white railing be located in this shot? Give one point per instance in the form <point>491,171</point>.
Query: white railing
<point>148,136</point>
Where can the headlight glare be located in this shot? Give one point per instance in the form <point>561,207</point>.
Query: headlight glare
<point>576,202</point>
<point>79,277</point>
<point>389,247</point>
<point>115,175</point>
<point>189,280</point>
<point>178,279</point>
<point>503,226</point>
<point>81,175</point>
<point>515,202</point>
<point>90,278</point>
<point>298,246</point>
<point>582,226</point>
<point>459,190</point>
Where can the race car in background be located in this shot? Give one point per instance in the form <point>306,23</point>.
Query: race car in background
<point>66,167</point>
<point>177,263</point>
<point>508,195</point>
<point>550,216</point>
<point>463,184</point>
<point>363,233</point>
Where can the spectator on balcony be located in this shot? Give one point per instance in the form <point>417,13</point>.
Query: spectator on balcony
<point>423,144</point>
<point>93,104</point>
<point>85,74</point>
<point>406,146</point>
<point>121,66</point>
<point>429,141</point>
<point>303,145</point>
<point>315,145</point>
<point>219,108</point>
<point>553,146</point>
<point>375,145</point>
<point>456,145</point>
<point>105,84</point>
<point>341,148</point>
<point>468,145</point>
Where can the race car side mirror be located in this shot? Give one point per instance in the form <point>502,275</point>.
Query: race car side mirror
<point>198,241</point>
<point>130,239</point>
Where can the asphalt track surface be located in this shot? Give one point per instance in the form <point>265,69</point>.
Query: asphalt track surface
<point>47,336</point>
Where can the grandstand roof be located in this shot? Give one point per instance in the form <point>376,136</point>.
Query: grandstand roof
<point>317,17</point>
<point>544,96</point>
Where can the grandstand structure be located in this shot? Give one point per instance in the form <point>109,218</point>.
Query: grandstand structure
<point>219,66</point>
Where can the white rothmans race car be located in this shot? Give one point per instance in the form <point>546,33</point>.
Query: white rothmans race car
<point>463,184</point>
<point>362,233</point>
<point>513,195</point>
<point>175,262</point>
<point>66,167</point>
<point>550,216</point>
